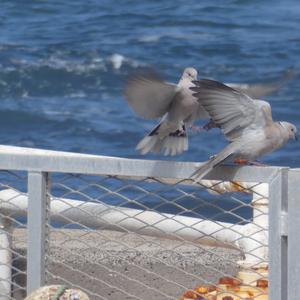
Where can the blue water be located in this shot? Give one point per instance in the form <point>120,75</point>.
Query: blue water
<point>63,64</point>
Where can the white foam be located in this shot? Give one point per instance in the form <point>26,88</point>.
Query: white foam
<point>79,94</point>
<point>150,38</point>
<point>116,60</point>
<point>59,63</point>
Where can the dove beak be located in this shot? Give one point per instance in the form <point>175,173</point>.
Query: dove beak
<point>296,137</point>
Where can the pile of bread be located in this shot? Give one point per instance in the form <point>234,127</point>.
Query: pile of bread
<point>229,288</point>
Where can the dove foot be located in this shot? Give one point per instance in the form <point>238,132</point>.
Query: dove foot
<point>197,128</point>
<point>210,125</point>
<point>257,163</point>
<point>239,161</point>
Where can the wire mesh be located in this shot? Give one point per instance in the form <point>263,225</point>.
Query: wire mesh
<point>12,236</point>
<point>153,238</point>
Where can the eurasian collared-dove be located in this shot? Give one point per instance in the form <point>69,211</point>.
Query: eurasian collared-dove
<point>152,98</point>
<point>245,122</point>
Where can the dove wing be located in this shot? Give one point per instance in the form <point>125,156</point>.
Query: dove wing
<point>149,96</point>
<point>230,109</point>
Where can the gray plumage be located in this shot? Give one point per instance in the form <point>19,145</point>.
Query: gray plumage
<point>245,122</point>
<point>151,98</point>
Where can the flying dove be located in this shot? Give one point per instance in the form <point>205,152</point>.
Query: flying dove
<point>175,104</point>
<point>246,123</point>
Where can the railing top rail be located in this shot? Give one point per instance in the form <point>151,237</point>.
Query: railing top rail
<point>30,159</point>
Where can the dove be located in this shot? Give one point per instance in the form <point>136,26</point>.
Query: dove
<point>246,123</point>
<point>152,98</point>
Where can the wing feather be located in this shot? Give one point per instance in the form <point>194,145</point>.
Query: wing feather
<point>230,109</point>
<point>149,96</point>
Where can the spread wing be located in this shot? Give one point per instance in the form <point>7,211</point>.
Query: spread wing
<point>258,90</point>
<point>232,110</point>
<point>149,96</point>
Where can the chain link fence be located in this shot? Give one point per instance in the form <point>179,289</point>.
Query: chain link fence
<point>129,236</point>
<point>118,238</point>
<point>13,259</point>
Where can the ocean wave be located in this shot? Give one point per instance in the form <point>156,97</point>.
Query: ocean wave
<point>117,60</point>
<point>154,38</point>
<point>79,94</point>
<point>86,65</point>
<point>59,75</point>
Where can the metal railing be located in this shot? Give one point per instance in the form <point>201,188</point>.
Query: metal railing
<point>139,229</point>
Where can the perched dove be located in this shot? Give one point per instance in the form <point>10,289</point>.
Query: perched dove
<point>152,98</point>
<point>245,122</point>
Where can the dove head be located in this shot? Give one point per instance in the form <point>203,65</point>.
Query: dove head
<point>291,129</point>
<point>190,73</point>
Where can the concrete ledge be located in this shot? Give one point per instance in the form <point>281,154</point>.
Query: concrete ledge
<point>114,265</point>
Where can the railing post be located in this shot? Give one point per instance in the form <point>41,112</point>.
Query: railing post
<point>294,235</point>
<point>36,226</point>
<point>278,191</point>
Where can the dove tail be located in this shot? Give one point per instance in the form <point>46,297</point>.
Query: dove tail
<point>213,162</point>
<point>173,144</point>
